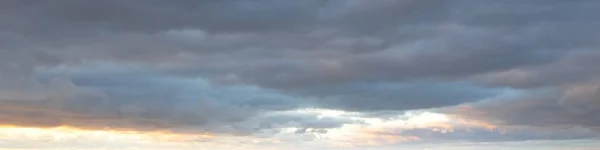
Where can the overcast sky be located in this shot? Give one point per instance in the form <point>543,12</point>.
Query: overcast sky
<point>300,74</point>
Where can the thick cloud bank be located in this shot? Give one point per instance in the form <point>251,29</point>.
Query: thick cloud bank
<point>512,69</point>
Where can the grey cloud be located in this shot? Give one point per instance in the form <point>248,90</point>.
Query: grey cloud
<point>569,106</point>
<point>395,96</point>
<point>337,50</point>
<point>156,15</point>
<point>137,99</point>
<point>127,13</point>
<point>569,94</point>
<point>446,37</point>
<point>453,50</point>
<point>576,67</point>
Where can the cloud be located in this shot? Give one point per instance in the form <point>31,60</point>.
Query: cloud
<point>137,99</point>
<point>397,96</point>
<point>252,67</point>
<point>573,68</point>
<point>568,106</point>
<point>442,36</point>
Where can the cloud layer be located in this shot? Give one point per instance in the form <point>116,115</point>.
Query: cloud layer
<point>310,71</point>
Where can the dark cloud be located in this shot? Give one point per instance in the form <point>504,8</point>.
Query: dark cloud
<point>570,106</point>
<point>577,67</point>
<point>390,96</point>
<point>152,16</point>
<point>420,38</point>
<point>133,98</point>
<point>274,55</point>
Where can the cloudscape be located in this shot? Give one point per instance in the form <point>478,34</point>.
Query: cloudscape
<point>299,74</point>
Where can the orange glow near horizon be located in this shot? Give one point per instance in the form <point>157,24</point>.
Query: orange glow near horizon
<point>65,133</point>
<point>375,132</point>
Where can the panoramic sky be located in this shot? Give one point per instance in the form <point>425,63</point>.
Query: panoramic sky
<point>299,74</point>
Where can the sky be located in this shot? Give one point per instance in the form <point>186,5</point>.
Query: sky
<point>299,74</point>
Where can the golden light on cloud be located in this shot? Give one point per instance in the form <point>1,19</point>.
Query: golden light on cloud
<point>15,137</point>
<point>367,131</point>
<point>382,132</point>
<point>377,131</point>
<point>69,133</point>
<point>468,109</point>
